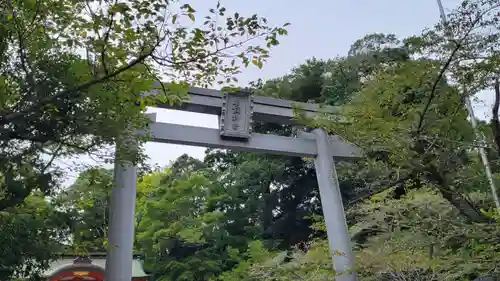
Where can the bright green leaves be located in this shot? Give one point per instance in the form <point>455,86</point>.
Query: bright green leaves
<point>175,218</point>
<point>119,8</point>
<point>32,230</point>
<point>262,264</point>
<point>251,266</point>
<point>178,205</point>
<point>118,51</point>
<point>196,221</point>
<point>86,204</point>
<point>427,233</point>
<point>389,109</point>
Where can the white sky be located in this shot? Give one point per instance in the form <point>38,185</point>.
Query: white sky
<point>321,29</point>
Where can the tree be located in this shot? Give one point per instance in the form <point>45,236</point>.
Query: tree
<point>32,234</point>
<point>431,193</point>
<point>74,73</point>
<point>419,155</point>
<point>74,76</point>
<point>411,123</point>
<point>181,225</point>
<point>397,133</point>
<point>85,203</point>
<point>467,46</point>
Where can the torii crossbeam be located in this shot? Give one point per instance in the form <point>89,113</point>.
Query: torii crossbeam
<point>237,112</point>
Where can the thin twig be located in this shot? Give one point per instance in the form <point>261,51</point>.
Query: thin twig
<point>445,67</point>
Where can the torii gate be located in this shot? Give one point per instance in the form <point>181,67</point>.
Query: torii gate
<point>237,112</point>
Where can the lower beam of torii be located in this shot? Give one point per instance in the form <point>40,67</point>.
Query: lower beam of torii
<point>316,144</point>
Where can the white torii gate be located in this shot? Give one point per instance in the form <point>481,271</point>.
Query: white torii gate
<point>237,112</point>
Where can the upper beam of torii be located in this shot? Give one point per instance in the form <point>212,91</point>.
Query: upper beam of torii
<point>269,110</point>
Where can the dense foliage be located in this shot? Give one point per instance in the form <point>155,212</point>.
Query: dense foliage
<point>74,76</point>
<point>418,205</point>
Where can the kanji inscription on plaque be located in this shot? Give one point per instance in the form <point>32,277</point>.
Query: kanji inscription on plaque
<point>236,117</point>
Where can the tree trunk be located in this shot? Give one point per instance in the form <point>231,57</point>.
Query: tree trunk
<point>495,122</point>
<point>464,206</point>
<point>267,207</point>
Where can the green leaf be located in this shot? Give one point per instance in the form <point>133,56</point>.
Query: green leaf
<point>30,4</point>
<point>119,8</point>
<point>188,8</point>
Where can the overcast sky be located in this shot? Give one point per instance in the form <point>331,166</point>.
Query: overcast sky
<point>319,28</point>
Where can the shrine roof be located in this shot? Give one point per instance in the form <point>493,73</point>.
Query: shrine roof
<point>92,260</point>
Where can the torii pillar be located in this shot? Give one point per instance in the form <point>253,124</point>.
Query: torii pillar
<point>237,112</point>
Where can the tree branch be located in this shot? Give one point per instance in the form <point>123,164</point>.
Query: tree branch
<point>434,88</point>
<point>378,190</point>
<point>168,62</point>
<point>106,39</point>
<point>44,101</point>
<point>445,67</point>
<point>43,140</point>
